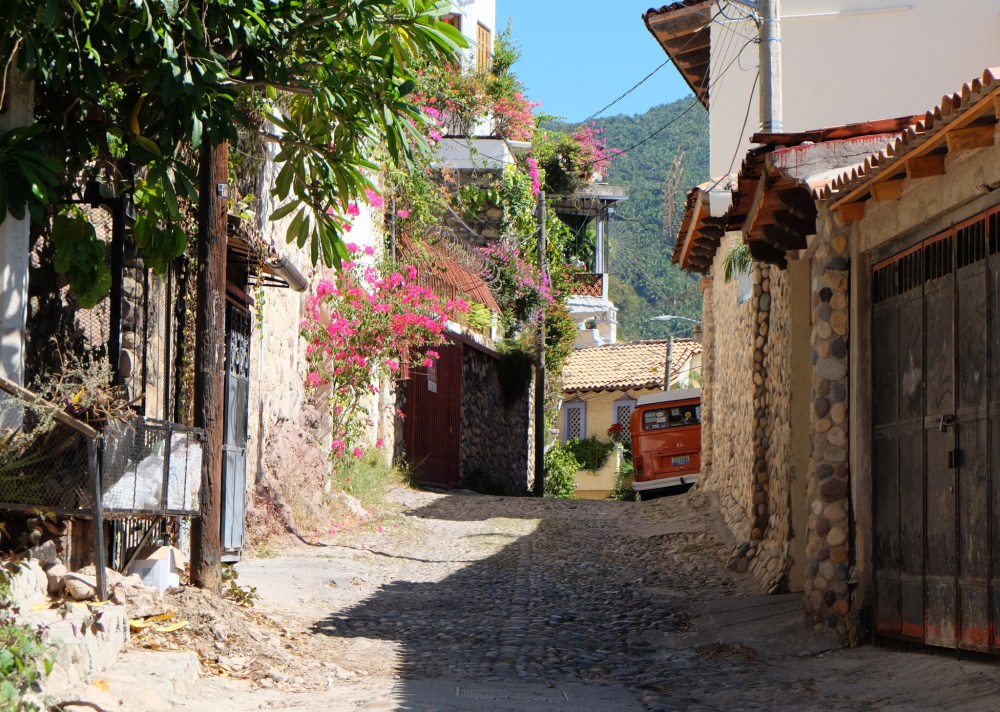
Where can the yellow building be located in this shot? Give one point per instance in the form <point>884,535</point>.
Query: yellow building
<point>601,386</point>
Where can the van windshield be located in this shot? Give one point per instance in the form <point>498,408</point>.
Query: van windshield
<point>671,417</point>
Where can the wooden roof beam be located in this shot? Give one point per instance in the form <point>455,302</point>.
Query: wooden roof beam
<point>783,237</point>
<point>888,190</point>
<point>852,212</point>
<point>969,138</point>
<point>925,166</point>
<point>795,222</point>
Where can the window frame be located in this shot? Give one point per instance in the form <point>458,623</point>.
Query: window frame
<point>484,50</point>
<point>578,405</point>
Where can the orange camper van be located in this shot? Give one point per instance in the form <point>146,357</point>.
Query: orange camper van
<point>666,439</point>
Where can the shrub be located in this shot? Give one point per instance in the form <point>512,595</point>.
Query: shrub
<point>590,452</point>
<point>623,491</point>
<point>560,472</point>
<point>24,657</point>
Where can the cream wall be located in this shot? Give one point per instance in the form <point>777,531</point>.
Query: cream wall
<point>600,417</point>
<point>846,61</point>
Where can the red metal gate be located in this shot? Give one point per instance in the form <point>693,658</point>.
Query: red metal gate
<point>936,475</point>
<point>433,420</point>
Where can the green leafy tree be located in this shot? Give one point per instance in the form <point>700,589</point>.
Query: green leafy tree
<point>127,91</point>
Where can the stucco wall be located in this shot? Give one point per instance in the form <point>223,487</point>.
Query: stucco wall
<point>860,37</point>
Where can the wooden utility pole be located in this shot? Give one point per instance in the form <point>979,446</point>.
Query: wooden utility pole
<point>210,360</point>
<point>669,363</point>
<point>539,487</point>
<point>770,66</point>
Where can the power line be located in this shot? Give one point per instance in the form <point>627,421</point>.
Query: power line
<point>753,90</point>
<point>691,106</point>
<point>642,81</point>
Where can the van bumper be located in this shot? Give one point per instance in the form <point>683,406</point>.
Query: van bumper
<point>666,482</point>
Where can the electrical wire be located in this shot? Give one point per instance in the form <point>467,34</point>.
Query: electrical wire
<point>642,81</point>
<point>746,118</point>
<point>688,109</point>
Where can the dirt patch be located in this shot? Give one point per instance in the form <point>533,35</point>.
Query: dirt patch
<point>239,642</point>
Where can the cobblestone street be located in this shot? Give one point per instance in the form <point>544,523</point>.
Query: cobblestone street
<point>488,603</point>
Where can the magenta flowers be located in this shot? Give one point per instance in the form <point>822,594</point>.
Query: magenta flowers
<point>360,329</point>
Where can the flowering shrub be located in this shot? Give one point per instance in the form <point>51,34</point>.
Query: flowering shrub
<point>362,328</point>
<point>572,160</point>
<point>521,290</point>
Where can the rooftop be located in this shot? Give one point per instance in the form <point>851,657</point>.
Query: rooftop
<point>626,366</point>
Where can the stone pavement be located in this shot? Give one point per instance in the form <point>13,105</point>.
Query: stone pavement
<point>497,604</point>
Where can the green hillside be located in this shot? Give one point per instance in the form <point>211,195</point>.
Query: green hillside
<point>644,283</point>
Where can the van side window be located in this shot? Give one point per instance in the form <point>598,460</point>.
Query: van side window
<point>671,417</point>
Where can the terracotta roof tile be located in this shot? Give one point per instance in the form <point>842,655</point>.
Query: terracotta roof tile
<point>925,128</point>
<point>624,366</point>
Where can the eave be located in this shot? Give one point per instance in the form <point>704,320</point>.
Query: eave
<point>683,30</point>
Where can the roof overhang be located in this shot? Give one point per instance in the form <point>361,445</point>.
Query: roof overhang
<point>274,269</point>
<point>703,225</point>
<point>962,121</point>
<point>781,179</point>
<point>683,30</point>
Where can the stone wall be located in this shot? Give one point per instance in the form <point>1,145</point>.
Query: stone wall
<point>774,477</point>
<point>727,399</point>
<point>746,402</point>
<point>827,583</point>
<point>497,440</point>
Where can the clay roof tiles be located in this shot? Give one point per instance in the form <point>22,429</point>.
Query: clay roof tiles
<point>952,109</point>
<point>625,366</point>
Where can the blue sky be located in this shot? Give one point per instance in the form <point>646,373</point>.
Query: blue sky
<point>579,55</point>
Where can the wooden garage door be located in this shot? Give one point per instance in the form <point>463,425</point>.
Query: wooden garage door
<point>936,489</point>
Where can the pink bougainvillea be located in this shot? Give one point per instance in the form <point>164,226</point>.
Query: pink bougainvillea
<point>359,329</point>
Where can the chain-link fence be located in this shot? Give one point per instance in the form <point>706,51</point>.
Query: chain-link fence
<point>147,467</point>
<point>151,467</point>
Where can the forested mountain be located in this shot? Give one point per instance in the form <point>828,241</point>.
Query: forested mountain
<point>644,283</point>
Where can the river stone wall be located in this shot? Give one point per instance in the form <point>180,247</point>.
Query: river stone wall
<point>497,440</point>
<point>727,400</point>
<point>827,587</point>
<point>745,404</point>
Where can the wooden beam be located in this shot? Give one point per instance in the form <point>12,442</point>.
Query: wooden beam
<point>996,107</point>
<point>887,190</point>
<point>852,212</point>
<point>57,411</point>
<point>972,137</point>
<point>798,199</point>
<point>925,166</point>
<point>783,238</point>
<point>794,222</point>
<point>210,361</point>
<point>711,231</point>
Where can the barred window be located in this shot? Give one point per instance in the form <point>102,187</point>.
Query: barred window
<point>575,421</point>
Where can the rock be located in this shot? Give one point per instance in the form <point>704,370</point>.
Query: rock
<point>354,506</point>
<point>80,587</point>
<point>46,554</point>
<point>55,575</point>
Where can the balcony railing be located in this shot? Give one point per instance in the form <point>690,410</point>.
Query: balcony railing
<point>587,284</point>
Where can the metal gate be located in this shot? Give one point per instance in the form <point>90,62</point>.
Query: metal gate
<point>936,413</point>
<point>234,446</point>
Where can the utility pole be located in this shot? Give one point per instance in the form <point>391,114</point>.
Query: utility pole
<point>670,360</point>
<point>539,486</point>
<point>770,66</point>
<point>210,360</point>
